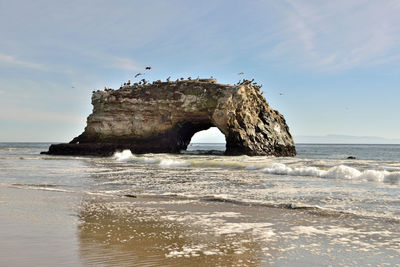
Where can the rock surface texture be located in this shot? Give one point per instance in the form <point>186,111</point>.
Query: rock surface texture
<point>162,117</point>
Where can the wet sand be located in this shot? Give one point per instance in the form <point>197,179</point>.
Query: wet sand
<point>38,228</point>
<point>50,228</point>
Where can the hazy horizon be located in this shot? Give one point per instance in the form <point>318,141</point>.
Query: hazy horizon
<point>214,136</point>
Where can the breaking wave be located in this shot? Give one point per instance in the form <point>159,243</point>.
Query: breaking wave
<point>127,156</point>
<point>336,172</point>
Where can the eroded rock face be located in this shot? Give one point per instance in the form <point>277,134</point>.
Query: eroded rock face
<point>162,117</point>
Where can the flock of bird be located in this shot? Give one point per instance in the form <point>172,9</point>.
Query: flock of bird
<point>244,81</point>
<point>138,74</point>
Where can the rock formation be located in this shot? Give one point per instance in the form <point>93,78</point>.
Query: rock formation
<point>162,117</point>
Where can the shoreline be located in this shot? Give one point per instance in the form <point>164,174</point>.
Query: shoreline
<point>184,232</point>
<point>196,210</point>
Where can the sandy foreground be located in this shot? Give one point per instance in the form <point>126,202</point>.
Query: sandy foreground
<point>55,228</point>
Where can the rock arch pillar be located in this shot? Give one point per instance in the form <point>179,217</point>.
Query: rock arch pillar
<point>162,117</point>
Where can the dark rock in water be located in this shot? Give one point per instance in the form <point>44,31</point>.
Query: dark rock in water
<point>204,152</point>
<point>351,157</point>
<point>162,117</point>
<point>129,195</point>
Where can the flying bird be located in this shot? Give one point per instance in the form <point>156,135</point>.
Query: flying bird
<point>148,68</point>
<point>137,75</point>
<point>240,73</point>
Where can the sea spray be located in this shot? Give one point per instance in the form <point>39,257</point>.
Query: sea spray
<point>125,155</point>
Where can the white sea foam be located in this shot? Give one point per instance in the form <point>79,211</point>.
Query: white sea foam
<point>324,170</point>
<point>335,230</point>
<point>373,175</point>
<point>125,155</point>
<point>336,172</point>
<point>340,171</point>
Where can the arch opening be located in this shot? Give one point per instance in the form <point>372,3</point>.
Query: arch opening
<point>210,141</point>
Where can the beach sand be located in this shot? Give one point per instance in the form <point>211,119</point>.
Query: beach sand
<point>55,228</point>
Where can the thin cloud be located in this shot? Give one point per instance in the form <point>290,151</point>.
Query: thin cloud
<point>7,59</point>
<point>32,115</point>
<point>124,64</point>
<point>339,35</point>
<point>114,62</point>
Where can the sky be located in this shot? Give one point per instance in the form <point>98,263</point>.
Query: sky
<point>330,67</point>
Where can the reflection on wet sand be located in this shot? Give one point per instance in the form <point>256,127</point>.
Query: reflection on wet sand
<point>125,234</point>
<point>146,231</point>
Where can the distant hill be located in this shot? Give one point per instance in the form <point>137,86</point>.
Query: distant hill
<point>344,139</point>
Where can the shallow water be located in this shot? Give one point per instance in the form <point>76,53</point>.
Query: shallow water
<point>195,209</point>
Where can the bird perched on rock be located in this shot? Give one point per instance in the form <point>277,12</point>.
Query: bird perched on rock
<point>129,82</point>
<point>169,78</point>
<point>138,74</point>
<point>148,68</point>
<point>189,78</point>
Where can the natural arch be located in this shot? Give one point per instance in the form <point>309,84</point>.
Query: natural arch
<point>211,135</point>
<point>210,140</point>
<point>162,117</point>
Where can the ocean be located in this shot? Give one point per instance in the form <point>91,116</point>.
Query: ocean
<point>201,208</point>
